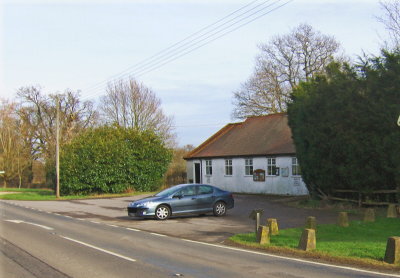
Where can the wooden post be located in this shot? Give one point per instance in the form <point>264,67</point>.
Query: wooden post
<point>273,226</point>
<point>343,220</point>
<point>391,211</point>
<point>263,235</point>
<point>307,241</point>
<point>369,215</point>
<point>58,148</point>
<point>392,254</point>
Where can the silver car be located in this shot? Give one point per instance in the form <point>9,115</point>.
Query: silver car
<point>183,199</point>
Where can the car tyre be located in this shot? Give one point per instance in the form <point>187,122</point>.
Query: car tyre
<point>163,212</point>
<point>219,209</point>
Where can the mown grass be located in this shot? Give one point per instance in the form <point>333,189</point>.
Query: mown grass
<point>363,240</point>
<point>27,194</point>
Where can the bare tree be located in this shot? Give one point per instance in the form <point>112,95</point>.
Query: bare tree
<point>176,172</point>
<point>14,150</point>
<point>38,115</point>
<point>283,63</point>
<point>391,20</point>
<point>132,105</point>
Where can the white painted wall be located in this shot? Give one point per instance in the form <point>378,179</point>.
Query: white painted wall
<point>239,182</point>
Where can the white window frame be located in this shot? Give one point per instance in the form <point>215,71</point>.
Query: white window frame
<point>248,167</point>
<point>296,170</point>
<point>208,167</point>
<point>228,167</point>
<point>271,166</point>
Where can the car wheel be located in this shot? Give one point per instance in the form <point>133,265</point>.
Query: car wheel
<point>163,212</point>
<point>219,209</point>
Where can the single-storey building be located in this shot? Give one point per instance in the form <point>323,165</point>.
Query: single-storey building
<point>254,156</point>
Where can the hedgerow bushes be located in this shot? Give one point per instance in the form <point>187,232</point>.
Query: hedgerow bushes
<point>113,159</point>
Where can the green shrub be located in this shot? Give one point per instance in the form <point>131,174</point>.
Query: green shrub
<point>344,127</point>
<point>113,160</point>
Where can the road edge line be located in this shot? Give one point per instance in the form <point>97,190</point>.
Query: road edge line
<point>292,259</point>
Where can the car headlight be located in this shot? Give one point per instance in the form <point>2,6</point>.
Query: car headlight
<point>148,204</point>
<point>145,204</point>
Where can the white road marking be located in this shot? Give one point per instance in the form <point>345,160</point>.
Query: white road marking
<point>30,223</point>
<point>95,222</point>
<point>292,259</point>
<point>135,230</point>
<point>99,249</point>
<point>157,234</point>
<point>111,225</point>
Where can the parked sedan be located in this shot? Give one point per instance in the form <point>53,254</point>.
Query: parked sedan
<point>183,199</point>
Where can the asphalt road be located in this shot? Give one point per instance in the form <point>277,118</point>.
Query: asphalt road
<point>202,228</point>
<point>42,244</point>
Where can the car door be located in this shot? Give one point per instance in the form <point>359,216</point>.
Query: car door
<point>184,200</point>
<point>205,197</point>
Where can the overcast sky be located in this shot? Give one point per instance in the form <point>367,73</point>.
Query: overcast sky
<point>81,44</point>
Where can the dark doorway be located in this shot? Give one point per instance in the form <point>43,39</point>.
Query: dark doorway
<point>197,173</point>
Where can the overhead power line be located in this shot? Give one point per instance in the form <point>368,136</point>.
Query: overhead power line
<point>195,41</point>
<point>175,44</point>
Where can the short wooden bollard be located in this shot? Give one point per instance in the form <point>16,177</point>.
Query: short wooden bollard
<point>391,211</point>
<point>307,241</point>
<point>273,226</point>
<point>311,223</point>
<point>263,235</point>
<point>369,215</point>
<point>392,254</point>
<point>343,219</point>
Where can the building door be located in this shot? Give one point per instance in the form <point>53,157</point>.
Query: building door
<point>197,173</point>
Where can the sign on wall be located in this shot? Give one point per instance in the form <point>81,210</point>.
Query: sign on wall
<point>285,172</point>
<point>259,175</point>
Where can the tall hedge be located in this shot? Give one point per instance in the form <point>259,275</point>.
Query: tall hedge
<point>113,160</point>
<point>344,127</point>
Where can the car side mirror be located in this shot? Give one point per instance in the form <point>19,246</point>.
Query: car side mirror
<point>178,196</point>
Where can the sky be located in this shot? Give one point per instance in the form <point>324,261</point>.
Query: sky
<point>83,44</point>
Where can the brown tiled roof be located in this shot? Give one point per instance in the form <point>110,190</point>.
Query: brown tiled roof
<point>256,136</point>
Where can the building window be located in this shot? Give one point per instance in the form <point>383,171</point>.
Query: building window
<point>296,171</point>
<point>271,166</point>
<point>248,167</point>
<point>228,167</point>
<point>208,167</point>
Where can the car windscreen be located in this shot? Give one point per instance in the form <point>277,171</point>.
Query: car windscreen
<point>166,192</point>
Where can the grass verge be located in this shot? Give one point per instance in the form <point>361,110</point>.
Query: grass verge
<point>362,243</point>
<point>27,194</point>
